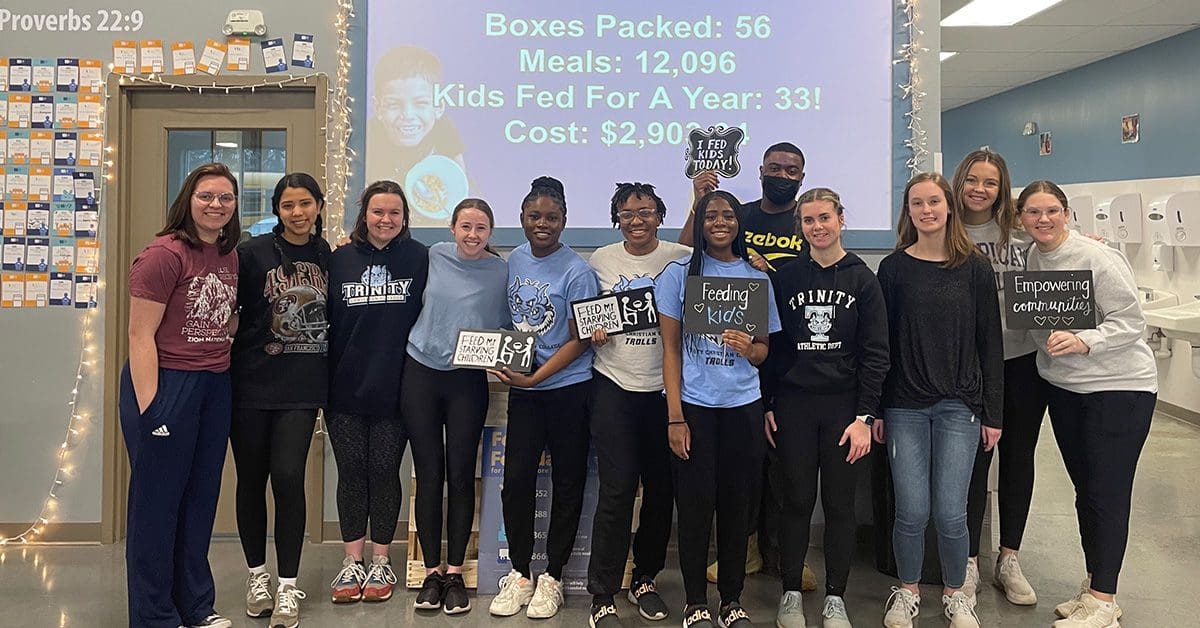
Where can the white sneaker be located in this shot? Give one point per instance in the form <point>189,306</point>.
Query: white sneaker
<point>971,582</point>
<point>515,591</point>
<point>1009,578</point>
<point>791,611</point>
<point>959,610</point>
<point>287,607</point>
<point>834,613</point>
<point>258,595</point>
<point>1090,612</point>
<point>1064,610</point>
<point>902,607</point>
<point>546,599</point>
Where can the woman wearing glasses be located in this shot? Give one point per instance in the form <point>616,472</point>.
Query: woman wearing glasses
<point>175,401</point>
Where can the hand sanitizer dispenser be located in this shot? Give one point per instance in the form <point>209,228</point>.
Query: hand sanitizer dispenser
<point>1103,221</point>
<point>1082,216</point>
<point>1125,214</point>
<point>1157,230</point>
<point>1183,218</point>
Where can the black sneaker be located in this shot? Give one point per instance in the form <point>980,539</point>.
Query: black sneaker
<point>454,595</point>
<point>430,597</point>
<point>604,616</point>
<point>696,616</point>
<point>643,594</point>
<point>732,615</point>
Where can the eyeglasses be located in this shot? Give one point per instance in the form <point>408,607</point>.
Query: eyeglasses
<point>627,215</point>
<point>1049,212</point>
<point>208,197</point>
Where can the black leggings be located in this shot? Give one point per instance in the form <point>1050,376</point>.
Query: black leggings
<point>721,475</point>
<point>1025,395</point>
<point>444,412</point>
<point>1100,436</point>
<point>557,420</point>
<point>274,444</point>
<point>368,451</point>
<point>806,444</point>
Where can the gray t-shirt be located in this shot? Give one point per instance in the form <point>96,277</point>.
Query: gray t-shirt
<point>460,294</point>
<point>634,360</point>
<point>1004,258</point>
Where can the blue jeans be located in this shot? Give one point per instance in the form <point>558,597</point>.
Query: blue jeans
<point>932,452</point>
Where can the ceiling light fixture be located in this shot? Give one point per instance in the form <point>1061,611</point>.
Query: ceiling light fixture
<point>946,55</point>
<point>997,12</point>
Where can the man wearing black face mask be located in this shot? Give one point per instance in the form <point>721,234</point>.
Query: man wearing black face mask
<point>768,223</point>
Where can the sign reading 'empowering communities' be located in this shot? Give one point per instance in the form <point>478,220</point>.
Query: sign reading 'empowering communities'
<point>1049,299</point>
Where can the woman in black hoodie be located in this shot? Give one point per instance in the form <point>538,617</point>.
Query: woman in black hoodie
<point>822,391</point>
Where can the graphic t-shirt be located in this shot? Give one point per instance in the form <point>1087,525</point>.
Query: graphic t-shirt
<point>540,291</point>
<point>198,285</point>
<point>1012,257</point>
<point>632,360</point>
<point>714,375</point>
<point>461,294</point>
<point>771,235</point>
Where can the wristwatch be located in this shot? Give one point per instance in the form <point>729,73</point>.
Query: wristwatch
<point>868,419</point>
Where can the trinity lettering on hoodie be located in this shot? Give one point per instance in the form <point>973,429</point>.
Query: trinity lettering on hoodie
<point>835,332</point>
<point>374,299</point>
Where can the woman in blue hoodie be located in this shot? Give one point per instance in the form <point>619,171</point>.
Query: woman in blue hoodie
<point>822,394</point>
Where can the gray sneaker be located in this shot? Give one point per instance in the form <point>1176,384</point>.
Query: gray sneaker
<point>834,613</point>
<point>791,610</point>
<point>258,595</point>
<point>287,607</point>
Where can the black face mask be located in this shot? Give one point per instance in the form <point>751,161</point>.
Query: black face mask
<point>780,190</point>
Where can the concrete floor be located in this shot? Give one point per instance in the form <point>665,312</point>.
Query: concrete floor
<point>85,586</point>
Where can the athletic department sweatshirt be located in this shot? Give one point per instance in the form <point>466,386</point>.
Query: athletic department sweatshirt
<point>835,331</point>
<point>374,298</point>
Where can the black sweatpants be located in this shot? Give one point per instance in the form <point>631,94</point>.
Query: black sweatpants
<point>1024,407</point>
<point>630,433</point>
<point>176,452</point>
<point>1100,436</point>
<point>444,412</point>
<point>806,445</point>
<point>271,444</point>
<point>368,451</point>
<point>538,420</point>
<point>722,476</point>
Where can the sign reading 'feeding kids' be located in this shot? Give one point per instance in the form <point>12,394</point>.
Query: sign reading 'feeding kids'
<point>714,304</point>
<point>1049,299</point>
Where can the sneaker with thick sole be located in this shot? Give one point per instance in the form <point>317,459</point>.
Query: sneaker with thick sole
<point>790,613</point>
<point>644,595</point>
<point>213,621</point>
<point>430,596</point>
<point>901,608</point>
<point>971,582</point>
<point>547,598</point>
<point>515,592</point>
<point>287,607</point>
<point>697,616</point>
<point>258,595</point>
<point>1090,612</point>
<point>1009,578</point>
<point>1064,610</point>
<point>732,615</point>
<point>454,595</point>
<point>347,584</point>
<point>604,616</point>
<point>833,615</point>
<point>380,580</point>
<point>959,610</point>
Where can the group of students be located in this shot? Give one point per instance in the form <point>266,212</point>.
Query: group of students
<point>367,332</point>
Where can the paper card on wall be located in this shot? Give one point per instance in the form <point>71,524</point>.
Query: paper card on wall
<point>41,112</point>
<point>37,252</point>
<point>18,147</point>
<point>20,74</point>
<point>43,75</point>
<point>4,110</point>
<point>89,111</point>
<point>85,187</point>
<point>91,75</point>
<point>616,313</point>
<point>152,56</point>
<point>85,291</point>
<point>37,219</point>
<point>18,110</point>
<point>714,304</point>
<point>239,55</point>
<point>17,183</point>
<point>41,147</point>
<point>1049,299</point>
<point>63,187</point>
<point>68,74</point>
<point>183,58</point>
<point>3,181</point>
<point>37,288</point>
<point>63,219</point>
<point>274,59</point>
<point>60,289</point>
<point>39,183</point>
<point>87,256</point>
<point>212,57</point>
<point>3,74</point>
<point>302,51</point>
<point>12,290</point>
<point>125,56</point>
<point>494,349</point>
<point>14,253</point>
<point>66,148</point>
<point>87,221</point>
<point>66,111</point>
<point>14,218</point>
<point>3,152</point>
<point>91,145</point>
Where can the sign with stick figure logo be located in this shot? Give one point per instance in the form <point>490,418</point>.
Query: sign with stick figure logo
<point>616,313</point>
<point>714,304</point>
<point>715,149</point>
<point>494,349</point>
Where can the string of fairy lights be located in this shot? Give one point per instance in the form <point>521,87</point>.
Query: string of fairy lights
<point>910,90</point>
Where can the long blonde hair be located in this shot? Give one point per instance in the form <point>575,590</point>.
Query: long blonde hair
<point>1004,211</point>
<point>959,247</point>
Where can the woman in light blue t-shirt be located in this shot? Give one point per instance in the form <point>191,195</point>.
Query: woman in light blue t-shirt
<point>714,415</point>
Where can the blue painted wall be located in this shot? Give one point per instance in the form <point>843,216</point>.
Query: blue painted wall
<point>1082,110</point>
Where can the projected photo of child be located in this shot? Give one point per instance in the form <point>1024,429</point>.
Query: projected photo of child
<point>410,138</point>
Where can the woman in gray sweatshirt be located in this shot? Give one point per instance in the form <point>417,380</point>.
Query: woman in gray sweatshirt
<point>1103,387</point>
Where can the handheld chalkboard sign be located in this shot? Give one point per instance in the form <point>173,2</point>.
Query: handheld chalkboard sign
<point>616,313</point>
<point>714,149</point>
<point>494,349</point>
<point>1049,299</point>
<point>714,304</point>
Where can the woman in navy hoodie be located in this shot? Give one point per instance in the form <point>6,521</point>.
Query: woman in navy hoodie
<point>375,288</point>
<point>822,394</point>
